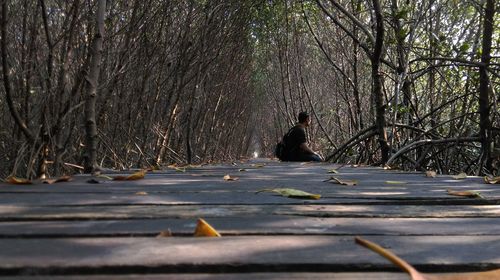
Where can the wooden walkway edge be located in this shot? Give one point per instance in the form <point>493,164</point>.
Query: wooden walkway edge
<point>78,230</point>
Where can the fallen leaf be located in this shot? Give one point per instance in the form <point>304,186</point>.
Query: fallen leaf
<point>460,176</point>
<point>492,180</point>
<point>342,182</point>
<point>65,178</point>
<point>141,193</point>
<point>242,170</point>
<point>395,182</point>
<point>106,177</point>
<point>229,178</point>
<point>178,169</point>
<point>431,174</point>
<point>57,180</point>
<point>292,193</point>
<point>203,229</point>
<point>258,165</point>
<point>333,171</point>
<point>18,181</point>
<point>173,165</point>
<point>136,176</point>
<point>417,275</point>
<point>165,233</point>
<point>471,194</point>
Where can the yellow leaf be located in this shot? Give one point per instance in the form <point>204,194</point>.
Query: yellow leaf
<point>258,165</point>
<point>18,181</point>
<point>417,275</point>
<point>292,193</point>
<point>178,169</point>
<point>431,174</point>
<point>471,194</point>
<point>203,229</point>
<point>342,182</point>
<point>492,180</point>
<point>333,171</point>
<point>107,177</point>
<point>460,176</point>
<point>395,182</point>
<point>136,176</point>
<point>229,178</point>
<point>141,193</point>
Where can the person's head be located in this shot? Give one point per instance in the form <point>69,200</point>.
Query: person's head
<point>304,118</point>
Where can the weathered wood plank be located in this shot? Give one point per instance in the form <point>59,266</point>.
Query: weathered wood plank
<point>372,183</point>
<point>257,225</point>
<point>246,253</point>
<point>229,276</point>
<point>20,213</point>
<point>144,196</point>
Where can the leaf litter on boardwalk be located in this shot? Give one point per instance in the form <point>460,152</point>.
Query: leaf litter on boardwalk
<point>135,176</point>
<point>470,194</point>
<point>417,275</point>
<point>344,182</point>
<point>291,193</point>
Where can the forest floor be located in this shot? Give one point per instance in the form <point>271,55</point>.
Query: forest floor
<point>109,229</point>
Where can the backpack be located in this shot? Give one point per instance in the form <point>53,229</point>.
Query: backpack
<point>281,149</point>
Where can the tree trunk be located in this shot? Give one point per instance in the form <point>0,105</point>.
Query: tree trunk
<point>377,82</point>
<point>484,84</point>
<point>6,77</point>
<point>91,82</point>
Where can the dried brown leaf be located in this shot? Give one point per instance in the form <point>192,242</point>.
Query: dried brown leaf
<point>136,176</point>
<point>431,174</point>
<point>470,194</point>
<point>57,180</point>
<point>18,181</point>
<point>416,275</point>
<point>229,178</point>
<point>165,233</point>
<point>492,180</point>
<point>344,182</point>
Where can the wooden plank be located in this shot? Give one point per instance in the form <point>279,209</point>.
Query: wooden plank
<point>257,225</point>
<point>20,213</point>
<point>229,276</point>
<point>372,184</point>
<point>144,196</point>
<point>246,253</point>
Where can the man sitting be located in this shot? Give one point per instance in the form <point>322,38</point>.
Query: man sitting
<point>296,144</point>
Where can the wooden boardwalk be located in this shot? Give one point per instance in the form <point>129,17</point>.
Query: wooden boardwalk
<point>78,230</point>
